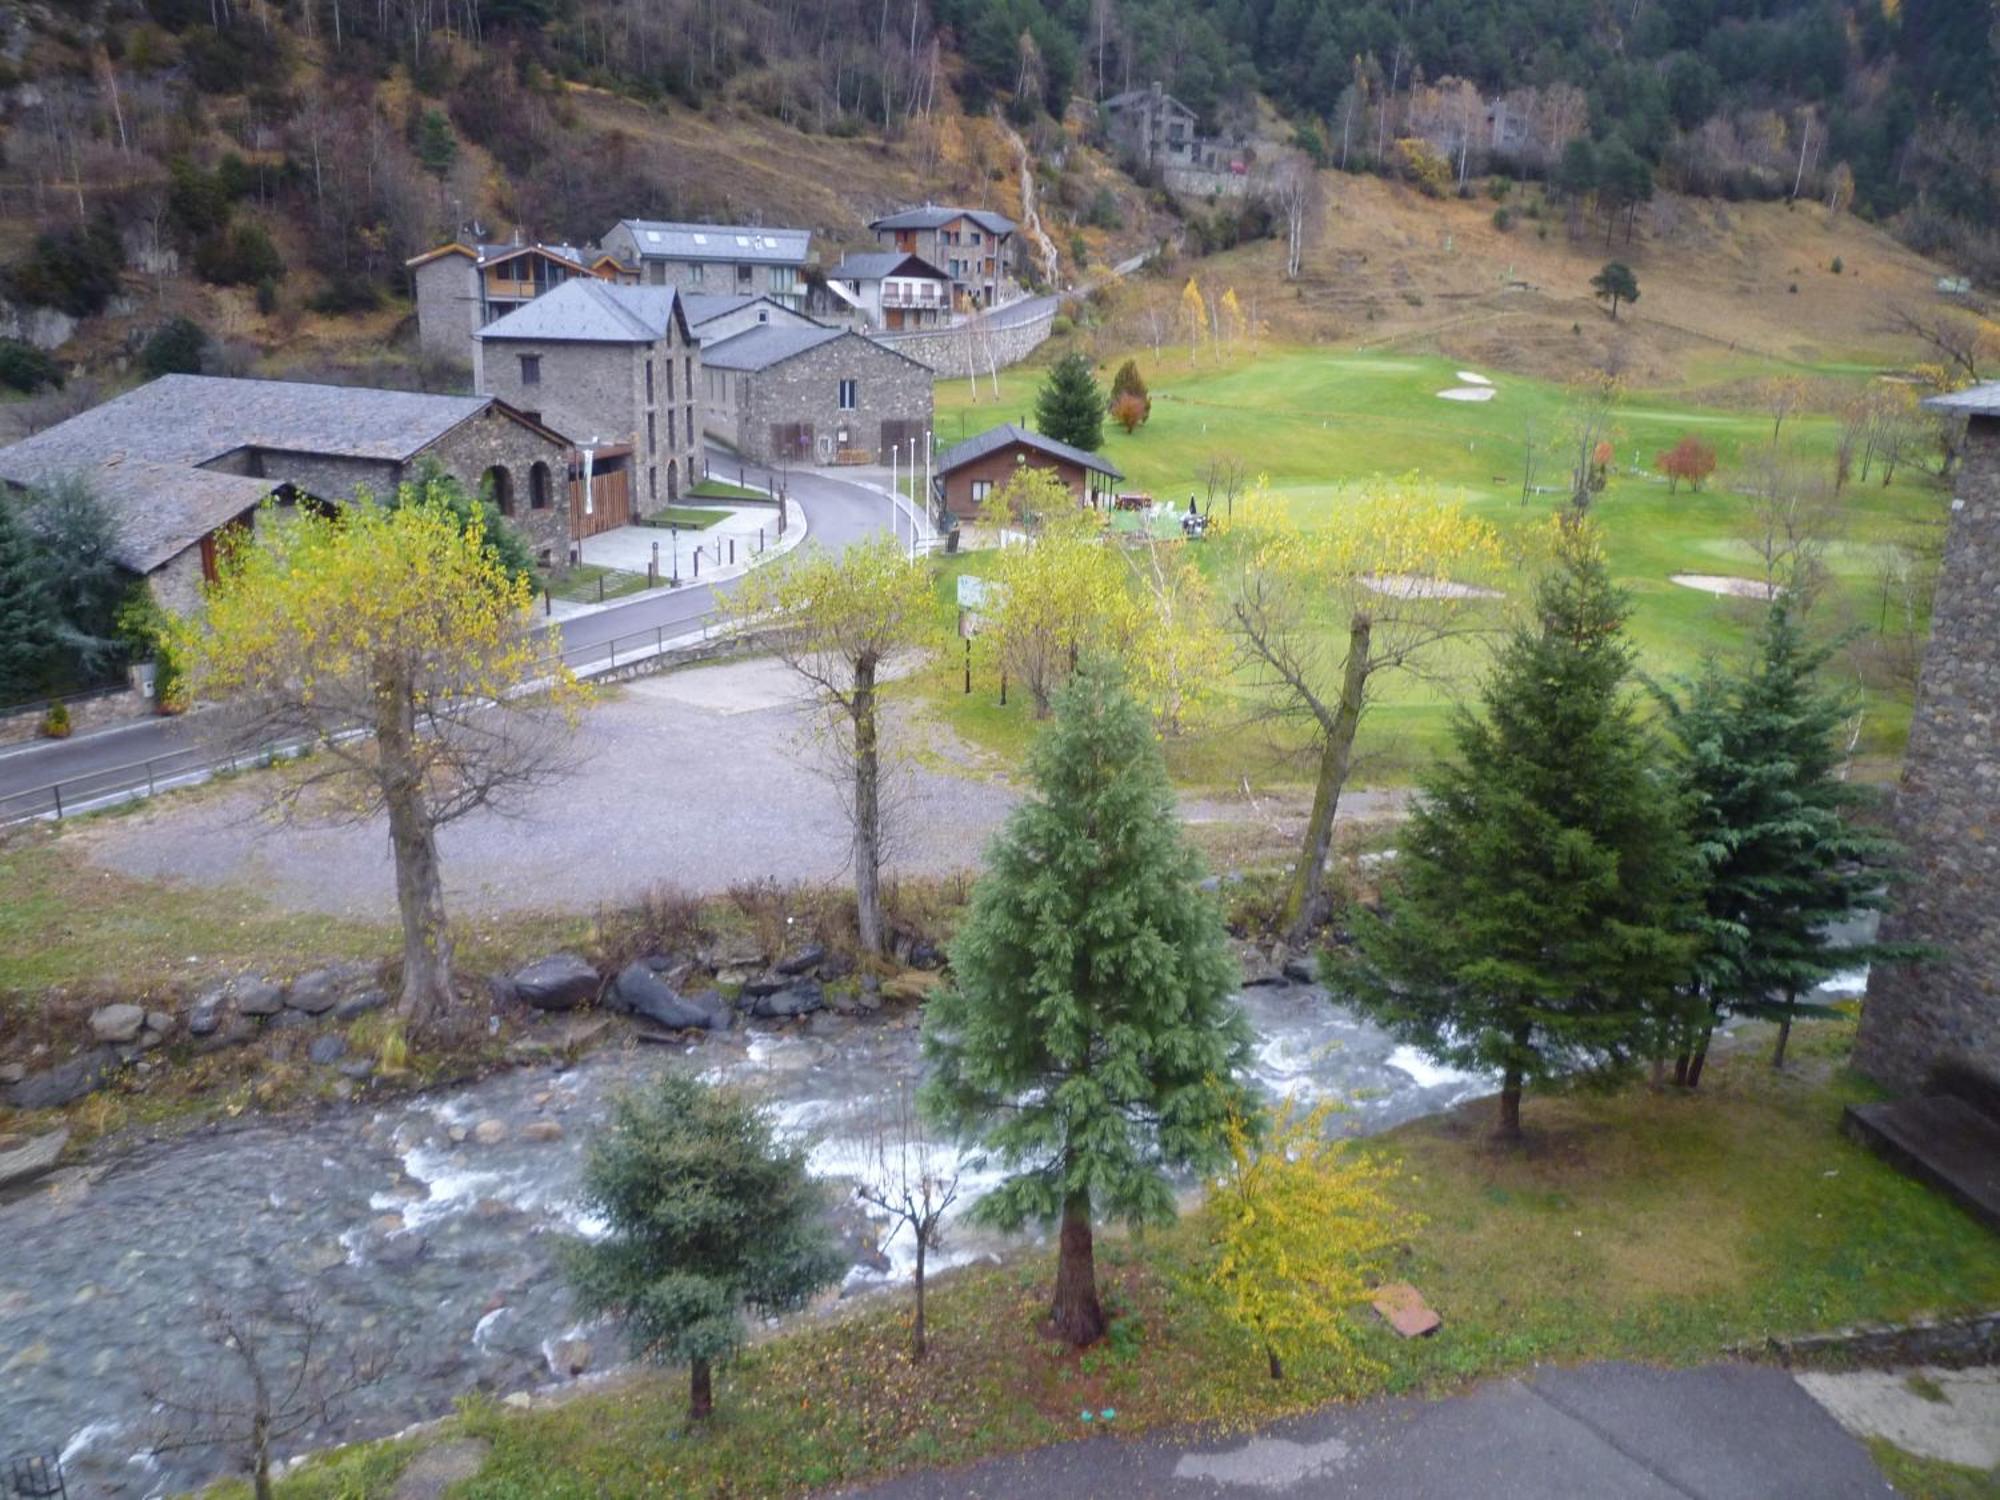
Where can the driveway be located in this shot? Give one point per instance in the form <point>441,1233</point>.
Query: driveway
<point>696,779</point>
<point>1602,1432</point>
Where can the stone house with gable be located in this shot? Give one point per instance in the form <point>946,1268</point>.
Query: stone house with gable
<point>890,290</point>
<point>186,457</point>
<point>617,368</point>
<point>813,395</point>
<point>974,246</point>
<point>460,287</point>
<point>733,259</point>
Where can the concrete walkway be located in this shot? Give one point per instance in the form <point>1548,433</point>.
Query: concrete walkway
<point>747,535</point>
<point>1602,1432</point>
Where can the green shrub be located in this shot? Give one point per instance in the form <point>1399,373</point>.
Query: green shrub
<point>240,255</point>
<point>1837,267</point>
<point>55,723</point>
<point>1503,219</point>
<point>25,368</point>
<point>175,348</point>
<point>347,292</point>
<point>73,270</point>
<point>1060,325</point>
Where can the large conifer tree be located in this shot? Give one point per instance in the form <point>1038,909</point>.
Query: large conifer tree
<point>1760,757</point>
<point>1088,1040</point>
<point>1070,405</point>
<point>1541,920</point>
<point>26,638</point>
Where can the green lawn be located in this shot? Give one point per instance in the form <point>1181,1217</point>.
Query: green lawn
<point>687,517</point>
<point>587,583</point>
<point>721,489</point>
<point>1319,426</point>
<point>1634,1225</point>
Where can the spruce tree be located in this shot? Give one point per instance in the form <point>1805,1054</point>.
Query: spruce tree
<point>709,1215</point>
<point>26,638</point>
<point>1088,1041</point>
<point>1760,759</point>
<point>1070,405</point>
<point>1541,920</point>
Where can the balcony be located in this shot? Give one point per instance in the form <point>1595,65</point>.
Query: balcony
<point>930,295</point>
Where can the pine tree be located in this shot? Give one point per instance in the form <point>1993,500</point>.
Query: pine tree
<point>710,1215</point>
<point>1070,405</point>
<point>1088,1041</point>
<point>1542,919</point>
<point>25,635</point>
<point>1760,760</point>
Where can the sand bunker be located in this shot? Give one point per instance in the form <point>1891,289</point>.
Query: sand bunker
<point>1471,379</point>
<point>1410,586</point>
<point>1467,393</point>
<point>1735,588</point>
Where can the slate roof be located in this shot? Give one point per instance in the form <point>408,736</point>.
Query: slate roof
<point>1976,400</point>
<point>931,216</point>
<point>662,240</point>
<point>764,346</point>
<point>1007,434</point>
<point>703,306</point>
<point>486,255</point>
<point>143,450</point>
<point>589,311</point>
<point>875,265</point>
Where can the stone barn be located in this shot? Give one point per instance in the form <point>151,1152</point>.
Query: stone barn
<point>813,395</point>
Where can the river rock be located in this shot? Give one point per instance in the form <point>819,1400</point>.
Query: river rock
<point>561,981</point>
<point>489,1132</point>
<point>205,1015</point>
<point>363,1002</point>
<point>1299,969</point>
<point>315,992</point>
<point>1257,968</point>
<point>924,954</point>
<point>256,997</point>
<point>835,966</point>
<point>235,1031</point>
<point>802,999</point>
<point>12,1073</point>
<point>802,960</point>
<point>640,992</point>
<point>760,985</point>
<point>360,1069</point>
<point>738,950</point>
<point>117,1023</point>
<point>63,1084</point>
<point>24,1163</point>
<point>326,1050</point>
<point>570,1357</point>
<point>541,1132</point>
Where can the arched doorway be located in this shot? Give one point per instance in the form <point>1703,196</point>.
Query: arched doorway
<point>539,486</point>
<point>498,486</point>
<point>673,481</point>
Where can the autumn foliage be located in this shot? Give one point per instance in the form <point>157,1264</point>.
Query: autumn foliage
<point>1690,459</point>
<point>1128,411</point>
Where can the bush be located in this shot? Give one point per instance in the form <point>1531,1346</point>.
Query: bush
<point>55,723</point>
<point>267,295</point>
<point>175,348</point>
<point>1128,411</point>
<point>1503,219</point>
<point>72,270</point>
<point>1060,326</point>
<point>241,255</point>
<point>1104,211</point>
<point>347,292</point>
<point>25,368</point>
<point>1837,267</point>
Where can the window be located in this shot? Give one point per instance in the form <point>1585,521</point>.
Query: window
<point>670,377</point>
<point>694,273</point>
<point>652,483</point>
<point>539,486</point>
<point>649,382</point>
<point>672,441</point>
<point>981,488</point>
<point>744,274</point>
<point>531,369</point>
<point>848,395</point>
<point>656,272</point>
<point>652,434</point>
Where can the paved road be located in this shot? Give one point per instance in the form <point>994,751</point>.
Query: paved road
<point>837,513</point>
<point>1603,1432</point>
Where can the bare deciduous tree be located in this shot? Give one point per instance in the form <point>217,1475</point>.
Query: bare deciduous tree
<point>1792,519</point>
<point>912,1181</point>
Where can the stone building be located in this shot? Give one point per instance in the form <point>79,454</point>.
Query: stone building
<point>617,368</point>
<point>813,396</point>
<point>974,246</point>
<point>186,457</point>
<point>891,290</point>
<point>972,470</point>
<point>1152,126</point>
<point>735,259</point>
<point>1944,1013</point>
<point>713,317</point>
<point>460,288</point>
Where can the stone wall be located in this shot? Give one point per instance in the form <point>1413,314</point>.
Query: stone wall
<point>959,352</point>
<point>176,583</point>
<point>806,388</point>
<point>86,712</point>
<point>1947,813</point>
<point>493,439</point>
<point>447,307</point>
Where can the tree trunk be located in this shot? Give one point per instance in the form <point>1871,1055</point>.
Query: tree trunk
<point>1681,1065</point>
<point>1335,756</point>
<point>918,1348</point>
<point>1509,1128</point>
<point>1077,1316</point>
<point>1784,1033</point>
<point>413,846</point>
<point>1700,1059</point>
<point>701,1391</point>
<point>867,809</point>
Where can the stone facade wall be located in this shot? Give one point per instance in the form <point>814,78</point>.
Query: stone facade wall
<point>176,583</point>
<point>92,711</point>
<point>1947,813</point>
<point>596,393</point>
<point>493,439</point>
<point>955,353</point>
<point>888,388</point>
<point>326,476</point>
<point>447,307</point>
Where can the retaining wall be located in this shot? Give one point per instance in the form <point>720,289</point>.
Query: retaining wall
<point>959,352</point>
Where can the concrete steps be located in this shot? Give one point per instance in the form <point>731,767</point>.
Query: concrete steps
<point>1942,1141</point>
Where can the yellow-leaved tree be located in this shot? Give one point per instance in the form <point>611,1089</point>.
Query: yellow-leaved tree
<point>1194,316</point>
<point>837,620</point>
<point>1231,317</point>
<point>1297,1227</point>
<point>1060,598</point>
<point>394,642</point>
<point>1322,616</point>
<point>1180,659</point>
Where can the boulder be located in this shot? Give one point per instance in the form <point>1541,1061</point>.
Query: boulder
<point>326,1050</point>
<point>489,1133</point>
<point>924,954</point>
<point>315,992</point>
<point>358,1068</point>
<point>234,1031</point>
<point>541,1132</point>
<point>638,991</point>
<point>205,1015</point>
<point>256,997</point>
<point>765,984</point>
<point>801,960</point>
<point>835,966</point>
<point>66,1082</point>
<point>738,950</point>
<point>363,1002</point>
<point>802,999</point>
<point>117,1023</point>
<point>12,1073</point>
<point>570,1357</point>
<point>24,1163</point>
<point>161,1021</point>
<point>911,987</point>
<point>1299,969</point>
<point>561,981</point>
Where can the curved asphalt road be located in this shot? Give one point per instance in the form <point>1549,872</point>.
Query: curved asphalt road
<point>837,512</point>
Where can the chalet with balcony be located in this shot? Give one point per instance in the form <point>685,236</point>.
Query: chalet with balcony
<point>890,290</point>
<point>974,246</point>
<point>460,288</point>
<point>970,473</point>
<point>726,259</point>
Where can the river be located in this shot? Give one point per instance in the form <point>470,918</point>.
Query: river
<point>430,1224</point>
